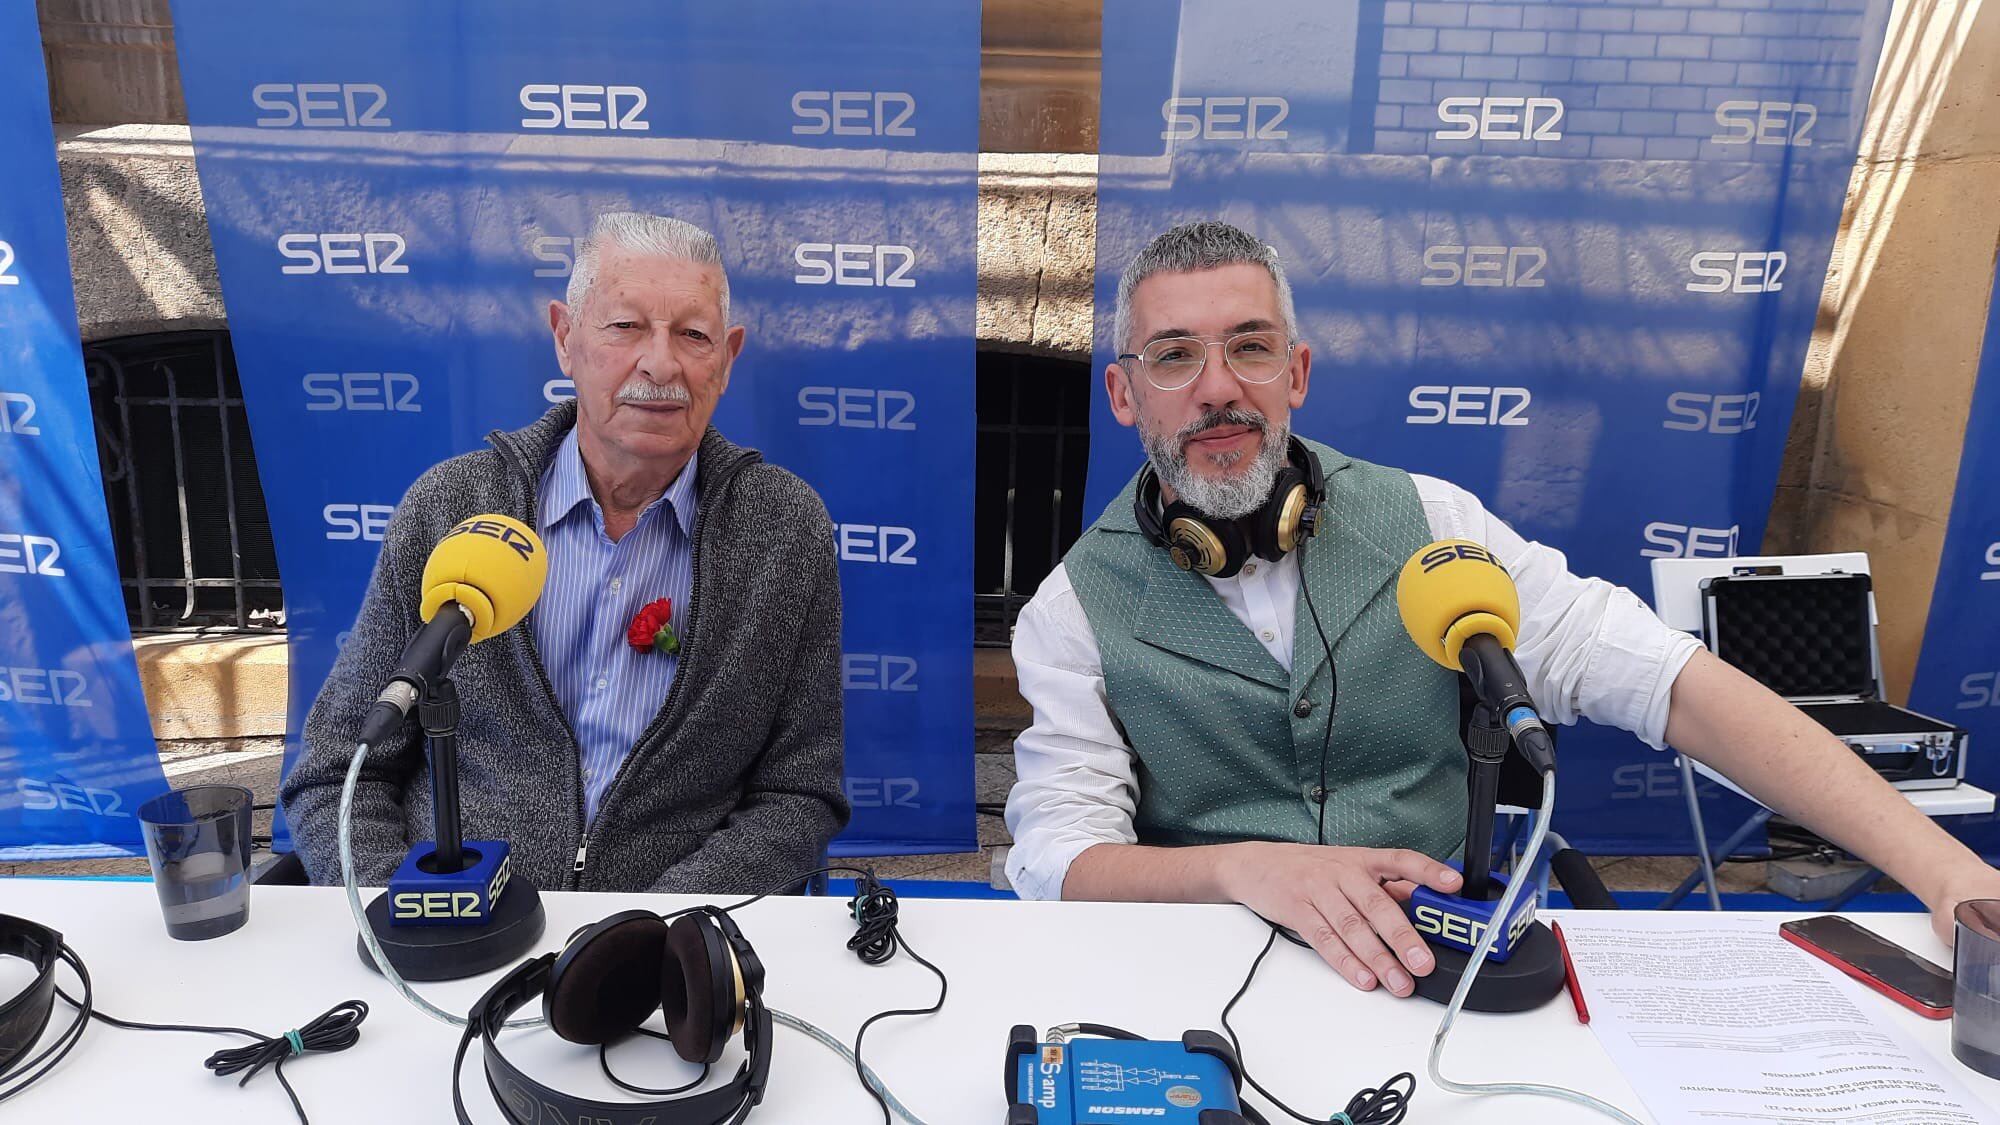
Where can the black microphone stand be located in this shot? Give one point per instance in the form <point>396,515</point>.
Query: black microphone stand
<point>1533,975</point>
<point>1486,741</point>
<point>438,712</point>
<point>447,952</point>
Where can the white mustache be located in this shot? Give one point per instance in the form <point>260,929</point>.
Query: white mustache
<point>641,390</point>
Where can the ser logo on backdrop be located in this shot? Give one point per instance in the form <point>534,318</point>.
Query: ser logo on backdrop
<point>1980,689</point>
<point>50,796</point>
<point>7,274</point>
<point>1500,119</point>
<point>44,687</point>
<point>854,113</point>
<point>1654,780</point>
<point>362,392</point>
<point>31,554</point>
<point>1765,123</point>
<point>857,408</point>
<point>1514,267</point>
<point>1992,571</point>
<point>1468,406</point>
<point>854,263</point>
<point>877,671</point>
<point>1680,541</point>
<point>557,253</point>
<point>357,521</point>
<point>1737,271</point>
<point>1239,118</point>
<point>585,108</point>
<point>876,543</point>
<point>17,414</point>
<point>367,252</point>
<point>321,105</point>
<point>1713,414</point>
<point>882,792</point>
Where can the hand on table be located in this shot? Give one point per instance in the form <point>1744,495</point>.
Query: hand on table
<point>1347,904</point>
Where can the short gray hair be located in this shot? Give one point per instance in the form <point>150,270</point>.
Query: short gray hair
<point>643,234</point>
<point>1202,245</point>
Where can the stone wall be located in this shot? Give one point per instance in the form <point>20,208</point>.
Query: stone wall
<point>1873,460</point>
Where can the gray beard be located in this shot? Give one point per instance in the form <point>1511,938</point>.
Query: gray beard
<point>1231,495</point>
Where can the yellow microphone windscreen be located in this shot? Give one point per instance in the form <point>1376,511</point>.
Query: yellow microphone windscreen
<point>1452,590</point>
<point>492,565</point>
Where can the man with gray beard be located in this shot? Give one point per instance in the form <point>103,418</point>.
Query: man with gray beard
<point>1191,739</point>
<point>668,717</point>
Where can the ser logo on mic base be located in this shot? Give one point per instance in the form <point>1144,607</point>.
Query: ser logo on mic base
<point>419,895</point>
<point>1460,922</point>
<point>449,911</point>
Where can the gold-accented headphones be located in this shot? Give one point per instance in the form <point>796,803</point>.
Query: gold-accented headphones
<point>1219,548</point>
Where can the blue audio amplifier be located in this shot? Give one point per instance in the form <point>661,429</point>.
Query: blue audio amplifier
<point>1091,1081</point>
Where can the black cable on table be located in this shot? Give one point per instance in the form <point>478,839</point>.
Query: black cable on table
<point>876,939</point>
<point>336,1029</point>
<point>1383,1105</point>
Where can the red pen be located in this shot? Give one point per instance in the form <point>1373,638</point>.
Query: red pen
<point>1569,975</point>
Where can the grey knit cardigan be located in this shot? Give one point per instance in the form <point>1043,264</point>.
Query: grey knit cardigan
<point>733,786</point>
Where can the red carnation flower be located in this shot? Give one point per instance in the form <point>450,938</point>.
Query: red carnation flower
<point>653,628</point>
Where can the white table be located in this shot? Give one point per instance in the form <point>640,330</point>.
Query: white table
<point>1155,969</point>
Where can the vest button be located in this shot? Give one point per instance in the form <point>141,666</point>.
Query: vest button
<point>1318,794</point>
<point>1304,708</point>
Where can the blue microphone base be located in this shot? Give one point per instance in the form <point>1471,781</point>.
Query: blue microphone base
<point>1528,979</point>
<point>451,952</point>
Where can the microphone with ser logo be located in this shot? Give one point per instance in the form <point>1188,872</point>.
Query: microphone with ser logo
<point>480,580</point>
<point>450,909</point>
<point>1461,609</point>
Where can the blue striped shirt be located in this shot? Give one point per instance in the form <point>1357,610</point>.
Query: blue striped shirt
<point>609,691</point>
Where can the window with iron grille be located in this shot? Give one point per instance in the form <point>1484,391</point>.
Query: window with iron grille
<point>180,484</point>
<point>1034,442</point>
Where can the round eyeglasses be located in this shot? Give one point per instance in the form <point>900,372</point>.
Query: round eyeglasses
<point>1174,362</point>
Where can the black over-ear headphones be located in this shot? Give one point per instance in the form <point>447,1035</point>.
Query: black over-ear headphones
<point>610,977</point>
<point>23,1018</point>
<point>1219,548</point>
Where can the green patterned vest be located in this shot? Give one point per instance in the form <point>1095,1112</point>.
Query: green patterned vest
<point>1227,741</point>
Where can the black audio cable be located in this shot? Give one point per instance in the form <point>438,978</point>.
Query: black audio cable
<point>1332,690</point>
<point>876,939</point>
<point>1382,1105</point>
<point>337,1029</point>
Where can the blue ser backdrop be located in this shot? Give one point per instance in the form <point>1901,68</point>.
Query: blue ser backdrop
<point>395,192</point>
<point>1958,671</point>
<point>76,749</point>
<point>1566,255</point>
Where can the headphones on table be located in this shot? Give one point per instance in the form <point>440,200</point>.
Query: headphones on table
<point>697,968</point>
<point>1219,548</point>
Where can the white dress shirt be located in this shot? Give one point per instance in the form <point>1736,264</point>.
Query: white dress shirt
<point>1586,646</point>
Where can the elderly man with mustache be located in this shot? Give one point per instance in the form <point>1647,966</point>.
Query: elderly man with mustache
<point>668,717</point>
<point>1192,741</point>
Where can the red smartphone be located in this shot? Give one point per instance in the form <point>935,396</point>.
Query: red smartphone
<point>1882,965</point>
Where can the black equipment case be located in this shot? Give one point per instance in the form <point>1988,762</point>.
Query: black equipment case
<point>1811,639</point>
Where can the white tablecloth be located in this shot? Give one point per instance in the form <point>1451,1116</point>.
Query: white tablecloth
<point>1154,969</point>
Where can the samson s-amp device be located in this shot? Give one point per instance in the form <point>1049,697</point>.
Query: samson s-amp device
<point>1071,1078</point>
<point>1811,639</point>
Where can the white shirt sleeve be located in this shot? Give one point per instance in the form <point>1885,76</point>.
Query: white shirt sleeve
<point>1587,647</point>
<point>1075,785</point>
